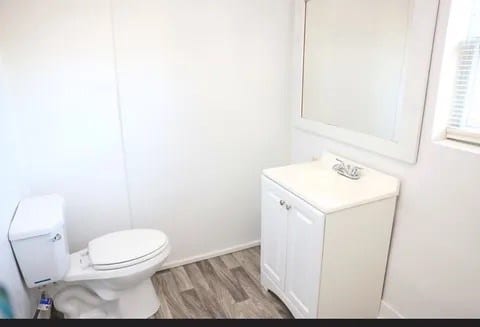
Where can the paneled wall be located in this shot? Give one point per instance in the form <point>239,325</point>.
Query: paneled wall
<point>204,99</point>
<point>59,59</point>
<point>157,114</point>
<point>10,193</point>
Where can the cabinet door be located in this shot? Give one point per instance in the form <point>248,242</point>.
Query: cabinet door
<point>274,229</point>
<point>304,257</point>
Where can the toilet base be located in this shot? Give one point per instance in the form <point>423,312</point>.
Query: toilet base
<point>139,302</point>
<point>77,301</point>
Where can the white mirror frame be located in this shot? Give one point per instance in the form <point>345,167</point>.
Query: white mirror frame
<point>411,103</point>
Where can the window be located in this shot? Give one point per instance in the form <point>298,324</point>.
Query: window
<point>464,120</point>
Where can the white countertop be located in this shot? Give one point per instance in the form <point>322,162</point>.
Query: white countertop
<point>318,184</point>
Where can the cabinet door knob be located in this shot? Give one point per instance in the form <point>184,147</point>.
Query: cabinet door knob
<point>282,203</point>
<point>288,207</point>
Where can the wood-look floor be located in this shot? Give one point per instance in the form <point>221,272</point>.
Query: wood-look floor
<point>222,287</point>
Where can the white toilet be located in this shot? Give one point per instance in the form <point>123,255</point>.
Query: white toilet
<point>108,279</point>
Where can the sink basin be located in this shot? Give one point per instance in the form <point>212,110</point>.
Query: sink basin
<point>317,183</point>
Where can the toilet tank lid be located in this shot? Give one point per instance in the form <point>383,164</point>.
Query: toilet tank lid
<point>37,216</point>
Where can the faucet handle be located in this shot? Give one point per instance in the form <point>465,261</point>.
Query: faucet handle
<point>350,171</point>
<point>356,170</point>
<point>340,165</point>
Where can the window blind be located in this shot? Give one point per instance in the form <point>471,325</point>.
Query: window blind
<point>464,120</point>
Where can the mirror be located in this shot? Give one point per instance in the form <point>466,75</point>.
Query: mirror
<point>354,57</point>
<point>362,69</point>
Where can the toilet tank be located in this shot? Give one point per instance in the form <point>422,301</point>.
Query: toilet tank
<point>38,238</point>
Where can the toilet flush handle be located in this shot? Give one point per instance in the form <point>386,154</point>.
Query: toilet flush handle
<point>57,237</point>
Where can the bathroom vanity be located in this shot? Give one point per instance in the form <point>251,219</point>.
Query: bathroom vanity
<point>325,238</point>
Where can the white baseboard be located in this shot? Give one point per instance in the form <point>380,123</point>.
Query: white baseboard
<point>388,312</point>
<point>209,255</point>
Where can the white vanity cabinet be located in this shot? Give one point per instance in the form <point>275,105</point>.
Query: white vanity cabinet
<point>325,238</point>
<point>292,269</point>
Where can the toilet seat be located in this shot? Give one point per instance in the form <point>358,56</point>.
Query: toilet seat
<point>129,262</point>
<point>125,248</point>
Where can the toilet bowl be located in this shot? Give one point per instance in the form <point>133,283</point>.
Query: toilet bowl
<point>110,278</point>
<point>118,280</point>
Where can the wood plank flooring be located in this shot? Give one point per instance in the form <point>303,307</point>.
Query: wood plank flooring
<point>222,287</point>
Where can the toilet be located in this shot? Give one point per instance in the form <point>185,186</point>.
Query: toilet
<point>110,278</point>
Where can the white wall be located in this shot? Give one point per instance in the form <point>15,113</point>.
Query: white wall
<point>10,194</point>
<point>59,59</point>
<point>434,261</point>
<point>204,107</point>
<point>204,98</point>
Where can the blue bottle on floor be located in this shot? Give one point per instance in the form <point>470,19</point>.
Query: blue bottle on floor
<point>5,306</point>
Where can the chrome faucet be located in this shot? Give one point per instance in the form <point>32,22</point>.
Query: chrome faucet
<point>352,172</point>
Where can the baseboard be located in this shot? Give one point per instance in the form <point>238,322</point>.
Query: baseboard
<point>209,255</point>
<point>388,312</point>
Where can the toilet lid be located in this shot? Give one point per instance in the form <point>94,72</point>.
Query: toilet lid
<point>125,246</point>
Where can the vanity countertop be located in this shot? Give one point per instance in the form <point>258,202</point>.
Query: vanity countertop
<point>318,184</point>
